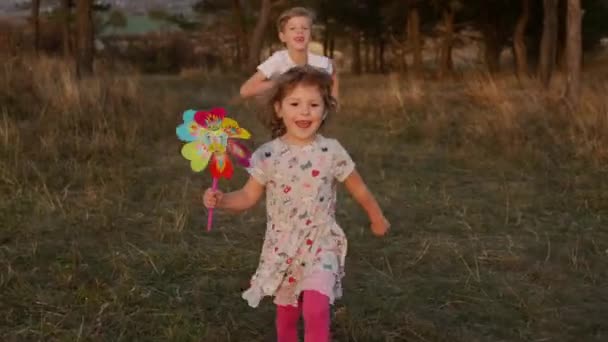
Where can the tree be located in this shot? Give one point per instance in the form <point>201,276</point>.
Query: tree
<point>36,23</point>
<point>158,14</point>
<point>548,44</point>
<point>356,67</point>
<point>496,24</point>
<point>375,31</point>
<point>207,6</point>
<point>116,19</point>
<point>62,12</point>
<point>345,18</point>
<point>446,64</point>
<point>255,46</point>
<point>65,13</point>
<point>330,28</point>
<point>84,23</point>
<point>519,40</point>
<point>573,52</point>
<point>413,35</point>
<point>402,21</point>
<point>242,49</point>
<point>447,9</point>
<point>595,25</point>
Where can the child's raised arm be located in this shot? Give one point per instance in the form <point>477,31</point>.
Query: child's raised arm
<point>239,200</point>
<point>255,85</point>
<point>357,188</point>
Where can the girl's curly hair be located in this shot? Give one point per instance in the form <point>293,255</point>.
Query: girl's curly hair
<point>284,85</point>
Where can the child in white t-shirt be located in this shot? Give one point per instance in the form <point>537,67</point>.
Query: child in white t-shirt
<point>294,26</point>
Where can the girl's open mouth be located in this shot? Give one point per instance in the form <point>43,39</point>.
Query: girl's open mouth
<point>299,39</point>
<point>303,123</point>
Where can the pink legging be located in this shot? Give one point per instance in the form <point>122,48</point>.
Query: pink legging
<point>315,309</point>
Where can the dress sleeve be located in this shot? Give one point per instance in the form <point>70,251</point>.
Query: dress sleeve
<point>260,164</point>
<point>342,163</point>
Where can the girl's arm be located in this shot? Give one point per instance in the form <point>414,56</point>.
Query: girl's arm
<point>357,188</point>
<point>242,199</point>
<point>255,85</point>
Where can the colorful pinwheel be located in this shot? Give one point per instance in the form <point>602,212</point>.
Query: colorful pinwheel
<point>210,137</point>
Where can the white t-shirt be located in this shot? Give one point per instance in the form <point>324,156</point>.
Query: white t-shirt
<point>280,62</point>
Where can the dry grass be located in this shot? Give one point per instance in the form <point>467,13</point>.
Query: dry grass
<point>498,202</point>
<point>501,115</point>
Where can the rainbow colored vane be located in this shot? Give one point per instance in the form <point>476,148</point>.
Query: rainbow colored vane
<point>210,139</point>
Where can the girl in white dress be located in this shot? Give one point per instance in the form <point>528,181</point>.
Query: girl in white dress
<point>302,259</point>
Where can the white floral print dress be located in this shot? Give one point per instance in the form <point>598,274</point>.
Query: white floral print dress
<point>304,247</point>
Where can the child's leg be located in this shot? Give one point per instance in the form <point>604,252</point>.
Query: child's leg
<point>287,323</point>
<point>315,308</point>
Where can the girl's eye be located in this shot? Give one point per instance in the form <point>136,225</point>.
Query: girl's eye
<point>315,105</point>
<point>293,104</point>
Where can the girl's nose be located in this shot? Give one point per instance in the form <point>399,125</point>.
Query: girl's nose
<point>305,110</point>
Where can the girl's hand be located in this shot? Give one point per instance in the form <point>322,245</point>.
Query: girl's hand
<point>212,198</point>
<point>380,226</point>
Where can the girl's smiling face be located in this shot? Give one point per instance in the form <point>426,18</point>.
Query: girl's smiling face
<point>302,112</point>
<point>296,33</point>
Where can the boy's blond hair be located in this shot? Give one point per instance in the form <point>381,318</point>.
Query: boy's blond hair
<point>292,13</point>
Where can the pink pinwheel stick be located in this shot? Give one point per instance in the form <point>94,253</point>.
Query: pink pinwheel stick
<point>210,217</point>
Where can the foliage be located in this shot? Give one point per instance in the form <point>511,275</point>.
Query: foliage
<point>178,19</point>
<point>116,18</point>
<point>595,25</point>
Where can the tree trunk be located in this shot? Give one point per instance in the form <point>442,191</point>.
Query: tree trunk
<point>548,43</point>
<point>84,60</point>
<point>401,56</point>
<point>496,31</point>
<point>241,32</point>
<point>332,47</point>
<point>375,55</point>
<point>366,52</point>
<point>65,27</point>
<point>492,48</point>
<point>413,32</point>
<point>492,42</point>
<point>356,41</point>
<point>574,53</point>
<point>562,23</point>
<point>36,24</point>
<point>445,56</point>
<point>258,34</point>
<point>401,60</point>
<point>519,40</point>
<point>401,50</point>
<point>326,34</point>
<point>381,50</point>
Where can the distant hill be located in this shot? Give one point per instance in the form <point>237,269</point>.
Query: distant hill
<point>19,7</point>
<point>138,6</point>
<point>139,25</point>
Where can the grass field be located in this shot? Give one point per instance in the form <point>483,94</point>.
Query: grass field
<point>498,200</point>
